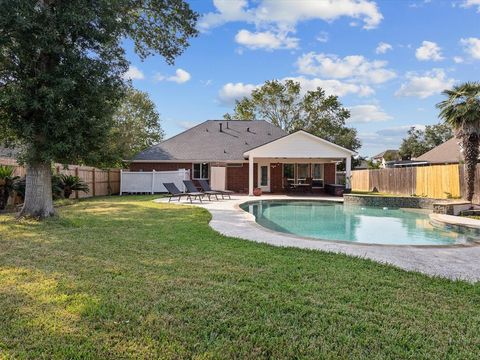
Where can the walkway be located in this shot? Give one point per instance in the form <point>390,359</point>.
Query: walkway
<point>454,262</point>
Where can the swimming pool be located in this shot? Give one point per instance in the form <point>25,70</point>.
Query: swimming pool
<point>334,221</point>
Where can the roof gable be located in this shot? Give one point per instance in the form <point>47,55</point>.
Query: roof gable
<point>300,144</point>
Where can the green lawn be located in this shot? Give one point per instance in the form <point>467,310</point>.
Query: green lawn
<point>127,278</point>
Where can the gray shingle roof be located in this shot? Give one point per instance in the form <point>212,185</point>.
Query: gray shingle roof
<point>448,152</point>
<point>390,152</point>
<point>206,142</point>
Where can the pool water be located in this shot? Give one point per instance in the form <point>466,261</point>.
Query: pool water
<point>334,221</point>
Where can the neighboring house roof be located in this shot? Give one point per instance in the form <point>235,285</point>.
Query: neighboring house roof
<point>390,153</point>
<point>8,152</point>
<point>206,142</point>
<point>448,152</point>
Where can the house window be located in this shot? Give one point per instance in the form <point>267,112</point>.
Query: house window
<point>200,171</point>
<point>263,175</point>
<point>317,175</point>
<point>302,172</point>
<point>289,172</point>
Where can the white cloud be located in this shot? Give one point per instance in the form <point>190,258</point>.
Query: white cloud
<point>227,10</point>
<point>472,47</point>
<point>383,47</point>
<point>267,40</point>
<point>134,73</point>
<point>367,113</point>
<point>355,67</point>
<point>471,3</point>
<point>333,87</point>
<point>181,76</point>
<point>235,91</point>
<point>425,85</point>
<point>286,14</point>
<point>429,51</point>
<point>322,37</point>
<point>458,59</point>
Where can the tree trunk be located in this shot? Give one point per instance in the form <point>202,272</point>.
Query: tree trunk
<point>470,153</point>
<point>38,192</point>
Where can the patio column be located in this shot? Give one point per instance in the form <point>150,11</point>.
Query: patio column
<point>348,172</point>
<point>250,175</point>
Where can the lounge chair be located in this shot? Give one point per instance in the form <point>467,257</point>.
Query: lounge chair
<point>192,188</point>
<point>173,191</point>
<point>206,187</point>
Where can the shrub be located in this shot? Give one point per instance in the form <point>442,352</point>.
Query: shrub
<point>7,184</point>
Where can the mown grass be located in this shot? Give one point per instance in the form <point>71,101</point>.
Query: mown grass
<point>129,278</point>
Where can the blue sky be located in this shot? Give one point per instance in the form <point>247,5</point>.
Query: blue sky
<point>387,60</point>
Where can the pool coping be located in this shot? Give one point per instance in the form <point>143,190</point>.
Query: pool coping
<point>456,262</point>
<point>252,218</point>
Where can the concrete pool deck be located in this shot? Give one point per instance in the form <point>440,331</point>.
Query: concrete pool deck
<point>452,262</point>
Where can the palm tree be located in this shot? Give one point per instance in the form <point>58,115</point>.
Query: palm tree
<point>461,110</point>
<point>7,184</point>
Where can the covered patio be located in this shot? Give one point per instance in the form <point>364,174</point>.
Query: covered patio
<point>294,162</point>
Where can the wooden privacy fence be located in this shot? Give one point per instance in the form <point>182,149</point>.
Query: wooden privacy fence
<point>100,182</point>
<point>436,181</point>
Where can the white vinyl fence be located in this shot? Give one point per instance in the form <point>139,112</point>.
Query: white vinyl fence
<point>151,181</point>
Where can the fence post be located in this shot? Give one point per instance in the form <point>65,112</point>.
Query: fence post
<point>76,174</point>
<point>109,187</point>
<point>94,183</point>
<point>153,182</point>
<point>121,181</point>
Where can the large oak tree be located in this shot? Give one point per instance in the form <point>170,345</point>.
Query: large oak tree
<point>285,105</point>
<point>62,69</point>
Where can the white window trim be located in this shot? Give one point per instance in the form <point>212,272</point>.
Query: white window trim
<point>302,179</point>
<point>311,165</point>
<point>201,175</point>
<point>317,179</point>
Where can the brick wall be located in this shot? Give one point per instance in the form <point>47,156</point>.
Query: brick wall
<point>237,178</point>
<point>276,177</point>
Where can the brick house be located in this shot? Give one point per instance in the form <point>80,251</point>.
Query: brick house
<point>243,155</point>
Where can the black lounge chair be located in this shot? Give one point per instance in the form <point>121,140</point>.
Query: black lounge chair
<point>206,187</point>
<point>174,192</point>
<point>192,188</point>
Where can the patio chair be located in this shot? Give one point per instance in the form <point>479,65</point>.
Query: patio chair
<point>309,181</point>
<point>173,191</point>
<point>193,189</point>
<point>287,186</point>
<point>206,187</point>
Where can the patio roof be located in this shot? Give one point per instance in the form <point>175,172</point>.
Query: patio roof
<point>300,144</point>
